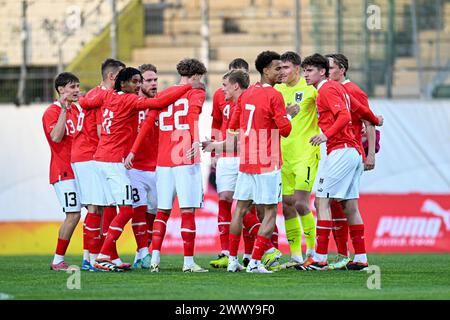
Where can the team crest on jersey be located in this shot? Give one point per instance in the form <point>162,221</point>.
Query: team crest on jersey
<point>299,96</point>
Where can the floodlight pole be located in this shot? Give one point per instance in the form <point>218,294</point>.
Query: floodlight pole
<point>205,36</point>
<point>417,47</point>
<point>113,32</point>
<point>298,33</point>
<point>23,66</point>
<point>339,26</point>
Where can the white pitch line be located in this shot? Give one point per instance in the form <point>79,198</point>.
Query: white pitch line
<point>5,296</point>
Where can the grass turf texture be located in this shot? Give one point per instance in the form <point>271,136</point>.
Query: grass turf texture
<point>419,276</point>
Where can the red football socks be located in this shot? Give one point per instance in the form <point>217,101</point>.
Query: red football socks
<point>234,244</point>
<point>249,241</point>
<point>61,247</point>
<point>323,235</point>
<point>357,236</point>
<point>109,213</point>
<point>251,222</point>
<point>159,230</point>
<point>150,220</point>
<point>115,230</point>
<point>139,225</point>
<point>188,232</point>
<point>261,245</point>
<point>224,220</point>
<point>92,224</point>
<point>340,227</point>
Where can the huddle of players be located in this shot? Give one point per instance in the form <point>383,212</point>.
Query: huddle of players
<point>323,101</point>
<point>88,168</point>
<point>257,114</point>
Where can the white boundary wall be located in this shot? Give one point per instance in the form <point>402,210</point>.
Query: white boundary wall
<point>414,156</point>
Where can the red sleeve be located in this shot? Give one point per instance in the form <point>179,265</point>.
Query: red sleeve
<point>217,117</point>
<point>98,116</point>
<point>279,114</point>
<point>338,107</point>
<point>93,102</point>
<point>195,108</point>
<point>235,120</point>
<point>50,119</point>
<point>145,129</point>
<point>362,110</point>
<point>168,97</point>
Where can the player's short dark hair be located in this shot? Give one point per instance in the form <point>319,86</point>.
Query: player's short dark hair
<point>340,60</point>
<point>264,59</point>
<point>292,57</point>
<point>64,79</point>
<point>147,67</point>
<point>189,67</point>
<point>318,61</point>
<point>111,65</point>
<point>238,63</point>
<point>238,76</point>
<point>125,75</point>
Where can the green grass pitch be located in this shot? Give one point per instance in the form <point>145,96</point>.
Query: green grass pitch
<point>418,276</point>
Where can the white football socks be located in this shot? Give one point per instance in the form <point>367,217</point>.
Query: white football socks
<point>58,259</point>
<point>188,261</point>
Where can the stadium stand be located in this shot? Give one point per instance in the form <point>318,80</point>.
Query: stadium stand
<point>245,28</point>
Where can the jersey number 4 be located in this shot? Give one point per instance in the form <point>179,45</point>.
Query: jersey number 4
<point>176,116</point>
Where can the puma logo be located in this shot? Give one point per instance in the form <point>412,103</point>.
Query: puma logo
<point>434,208</point>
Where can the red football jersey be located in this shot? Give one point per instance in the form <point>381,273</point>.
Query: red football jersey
<point>221,114</point>
<point>85,139</point>
<point>147,153</point>
<point>333,108</point>
<point>260,114</point>
<point>178,129</point>
<point>358,100</point>
<point>119,112</point>
<point>60,168</point>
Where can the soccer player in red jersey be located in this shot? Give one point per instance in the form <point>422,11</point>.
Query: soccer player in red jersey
<point>119,109</point>
<point>178,168</point>
<point>343,166</point>
<point>227,169</point>
<point>58,128</point>
<point>142,175</point>
<point>259,119</point>
<point>338,71</point>
<point>85,141</point>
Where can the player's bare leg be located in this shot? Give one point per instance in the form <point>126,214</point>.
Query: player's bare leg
<point>64,235</point>
<point>68,226</point>
<point>356,227</point>
<point>242,208</point>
